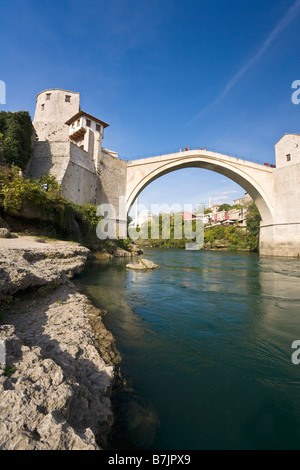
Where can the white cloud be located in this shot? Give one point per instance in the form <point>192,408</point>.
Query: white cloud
<point>223,196</point>
<point>233,191</point>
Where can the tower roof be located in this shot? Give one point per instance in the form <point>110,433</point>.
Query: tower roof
<point>83,113</point>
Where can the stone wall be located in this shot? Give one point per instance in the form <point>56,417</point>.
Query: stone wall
<point>72,167</point>
<point>282,238</point>
<point>113,173</point>
<point>49,157</point>
<point>80,183</point>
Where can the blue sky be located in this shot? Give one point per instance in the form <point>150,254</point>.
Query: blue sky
<point>165,75</point>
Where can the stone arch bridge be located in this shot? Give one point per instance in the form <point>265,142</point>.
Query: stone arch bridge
<point>275,189</point>
<point>254,178</point>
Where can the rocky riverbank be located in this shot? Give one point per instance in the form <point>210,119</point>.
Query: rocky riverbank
<point>60,361</point>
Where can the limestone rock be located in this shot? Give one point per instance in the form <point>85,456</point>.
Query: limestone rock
<point>38,264</point>
<point>103,254</point>
<point>142,265</point>
<point>135,249</point>
<point>4,233</point>
<point>56,382</point>
<point>56,397</point>
<point>121,253</point>
<point>219,244</point>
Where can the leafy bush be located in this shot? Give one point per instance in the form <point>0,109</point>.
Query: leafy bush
<point>87,214</point>
<point>16,192</point>
<point>124,243</point>
<point>16,137</point>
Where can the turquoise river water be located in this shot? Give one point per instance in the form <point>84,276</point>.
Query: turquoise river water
<point>206,342</point>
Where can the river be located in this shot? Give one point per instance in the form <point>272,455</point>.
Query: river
<point>206,342</point>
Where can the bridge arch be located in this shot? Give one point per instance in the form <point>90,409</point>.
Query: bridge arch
<point>254,178</point>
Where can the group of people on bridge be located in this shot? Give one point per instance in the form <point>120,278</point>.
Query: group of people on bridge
<point>187,149</point>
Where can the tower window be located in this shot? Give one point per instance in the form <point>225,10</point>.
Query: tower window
<point>48,95</point>
<point>68,99</point>
<point>288,157</point>
<point>88,123</point>
<point>97,128</point>
<point>43,107</point>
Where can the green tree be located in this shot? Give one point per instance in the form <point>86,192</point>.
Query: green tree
<point>253,223</point>
<point>1,147</point>
<point>16,129</point>
<point>224,207</point>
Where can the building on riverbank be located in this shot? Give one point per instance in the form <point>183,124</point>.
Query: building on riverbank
<point>68,144</point>
<point>235,216</point>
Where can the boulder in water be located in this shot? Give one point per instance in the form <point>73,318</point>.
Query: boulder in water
<point>142,265</point>
<point>4,233</point>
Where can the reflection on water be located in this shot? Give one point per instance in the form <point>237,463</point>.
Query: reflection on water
<point>206,345</point>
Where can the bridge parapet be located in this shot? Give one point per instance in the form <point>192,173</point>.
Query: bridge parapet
<point>197,153</point>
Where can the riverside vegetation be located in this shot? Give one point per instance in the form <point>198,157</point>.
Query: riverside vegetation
<point>233,238</point>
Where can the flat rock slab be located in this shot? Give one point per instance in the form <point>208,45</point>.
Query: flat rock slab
<point>26,262</point>
<point>27,242</point>
<point>142,265</point>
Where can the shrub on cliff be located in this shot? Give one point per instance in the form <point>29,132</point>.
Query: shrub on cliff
<point>16,140</point>
<point>16,192</point>
<point>25,198</point>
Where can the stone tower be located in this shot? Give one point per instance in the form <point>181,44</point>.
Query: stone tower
<point>288,150</point>
<point>68,145</point>
<point>53,108</point>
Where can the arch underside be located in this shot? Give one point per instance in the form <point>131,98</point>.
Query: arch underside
<point>237,175</point>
